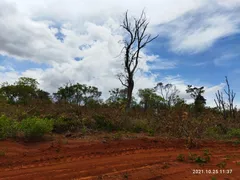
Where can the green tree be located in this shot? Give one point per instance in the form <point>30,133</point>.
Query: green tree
<point>149,98</point>
<point>79,94</point>
<point>117,96</point>
<point>197,94</point>
<point>23,91</point>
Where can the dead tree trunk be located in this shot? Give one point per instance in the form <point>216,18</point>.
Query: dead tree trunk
<point>136,39</point>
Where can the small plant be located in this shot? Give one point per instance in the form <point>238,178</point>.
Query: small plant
<point>165,166</point>
<point>207,155</point>
<point>192,157</point>
<point>200,160</point>
<point>151,132</point>
<point>2,153</point>
<point>180,157</point>
<point>238,163</point>
<point>125,175</point>
<point>35,128</point>
<point>227,157</point>
<point>213,178</point>
<point>58,149</point>
<point>222,164</point>
<point>236,142</point>
<point>117,136</point>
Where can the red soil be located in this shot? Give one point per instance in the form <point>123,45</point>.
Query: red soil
<point>143,158</point>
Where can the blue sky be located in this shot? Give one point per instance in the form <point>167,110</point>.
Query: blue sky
<point>57,42</point>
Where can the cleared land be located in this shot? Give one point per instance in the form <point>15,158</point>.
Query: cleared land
<point>139,158</point>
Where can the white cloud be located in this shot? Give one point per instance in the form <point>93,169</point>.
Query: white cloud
<point>225,59</point>
<point>163,64</point>
<point>2,68</point>
<point>198,30</point>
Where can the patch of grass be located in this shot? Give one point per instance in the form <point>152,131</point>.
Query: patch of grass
<point>222,164</point>
<point>35,128</point>
<point>181,157</point>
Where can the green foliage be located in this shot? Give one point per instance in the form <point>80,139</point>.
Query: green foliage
<point>200,160</point>
<point>181,157</point>
<point>140,126</point>
<point>222,164</point>
<point>35,128</point>
<point>79,94</point>
<point>8,127</point>
<point>234,133</point>
<point>103,123</point>
<point>23,91</point>
<point>205,158</point>
<point>196,94</point>
<point>192,157</point>
<point>214,132</point>
<point>62,125</point>
<point>149,98</point>
<point>207,155</point>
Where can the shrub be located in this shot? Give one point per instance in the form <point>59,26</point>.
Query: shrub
<point>35,128</point>
<point>61,125</point>
<point>8,127</point>
<point>103,123</point>
<point>213,132</point>
<point>234,133</point>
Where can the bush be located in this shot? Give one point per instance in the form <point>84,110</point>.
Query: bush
<point>234,133</point>
<point>213,132</point>
<point>62,125</point>
<point>104,124</point>
<point>8,127</point>
<point>35,128</point>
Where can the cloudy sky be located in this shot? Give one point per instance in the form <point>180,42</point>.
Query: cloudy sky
<point>57,41</point>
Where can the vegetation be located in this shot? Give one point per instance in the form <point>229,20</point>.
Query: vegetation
<point>180,157</point>
<point>27,110</point>
<point>35,128</point>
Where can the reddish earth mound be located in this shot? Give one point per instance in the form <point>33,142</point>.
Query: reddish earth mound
<point>120,159</point>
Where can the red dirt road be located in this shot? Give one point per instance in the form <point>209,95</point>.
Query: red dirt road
<point>143,158</point>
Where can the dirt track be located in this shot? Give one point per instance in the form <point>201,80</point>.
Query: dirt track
<point>119,159</point>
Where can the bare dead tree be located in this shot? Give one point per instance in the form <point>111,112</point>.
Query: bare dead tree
<point>220,103</point>
<point>136,39</point>
<point>224,106</point>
